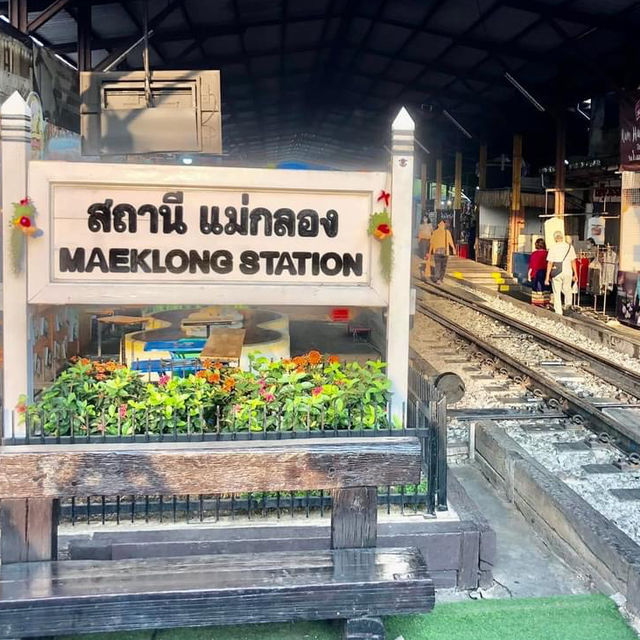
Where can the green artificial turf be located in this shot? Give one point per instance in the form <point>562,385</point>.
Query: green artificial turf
<point>590,617</point>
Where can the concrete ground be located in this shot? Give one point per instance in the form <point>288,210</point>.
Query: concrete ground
<point>524,566</point>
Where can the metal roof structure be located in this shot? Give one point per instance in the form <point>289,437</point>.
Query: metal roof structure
<point>320,80</point>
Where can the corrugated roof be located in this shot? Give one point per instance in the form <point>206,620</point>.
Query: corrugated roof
<point>323,78</point>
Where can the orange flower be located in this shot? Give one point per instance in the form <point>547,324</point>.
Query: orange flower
<point>334,359</point>
<point>85,361</point>
<point>110,366</point>
<point>314,357</point>
<point>300,361</point>
<point>213,378</point>
<point>101,376</point>
<point>218,365</point>
<point>300,369</point>
<point>288,363</point>
<point>201,374</point>
<point>229,384</point>
<point>382,231</point>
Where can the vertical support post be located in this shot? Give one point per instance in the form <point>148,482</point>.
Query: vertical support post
<point>84,36</point>
<point>438,198</point>
<point>423,188</point>
<point>399,310</point>
<point>29,530</point>
<point>16,145</point>
<point>18,14</point>
<point>457,197</point>
<point>482,167</point>
<point>516,190</point>
<point>457,200</point>
<point>354,518</point>
<point>561,169</point>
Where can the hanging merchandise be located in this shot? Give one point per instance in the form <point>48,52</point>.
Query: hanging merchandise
<point>595,227</point>
<point>23,224</point>
<point>380,229</point>
<point>609,268</point>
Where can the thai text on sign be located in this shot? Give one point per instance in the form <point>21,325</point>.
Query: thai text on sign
<point>217,234</point>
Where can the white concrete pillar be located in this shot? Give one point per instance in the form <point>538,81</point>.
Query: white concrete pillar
<point>398,315</point>
<point>15,126</point>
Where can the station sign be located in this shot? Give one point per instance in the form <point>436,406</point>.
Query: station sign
<point>140,227</point>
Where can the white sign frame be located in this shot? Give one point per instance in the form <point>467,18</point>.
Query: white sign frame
<point>44,288</point>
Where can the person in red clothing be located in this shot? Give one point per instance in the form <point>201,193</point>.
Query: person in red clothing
<point>538,267</point>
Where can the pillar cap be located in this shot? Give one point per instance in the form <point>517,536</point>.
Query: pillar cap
<point>403,121</point>
<point>15,105</point>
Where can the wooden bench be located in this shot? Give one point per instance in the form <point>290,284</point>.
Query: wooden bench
<point>353,582</point>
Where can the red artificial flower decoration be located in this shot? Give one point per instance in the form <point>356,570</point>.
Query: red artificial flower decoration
<point>25,222</point>
<point>384,196</point>
<point>382,231</point>
<point>24,202</point>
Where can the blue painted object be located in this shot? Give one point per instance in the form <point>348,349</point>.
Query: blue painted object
<point>521,267</point>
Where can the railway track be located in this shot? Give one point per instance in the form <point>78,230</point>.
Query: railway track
<point>617,431</point>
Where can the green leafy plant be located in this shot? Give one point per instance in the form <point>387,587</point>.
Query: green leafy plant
<point>310,392</point>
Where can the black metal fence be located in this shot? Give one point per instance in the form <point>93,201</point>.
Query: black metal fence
<point>424,417</point>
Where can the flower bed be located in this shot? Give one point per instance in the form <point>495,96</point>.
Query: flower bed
<point>308,392</point>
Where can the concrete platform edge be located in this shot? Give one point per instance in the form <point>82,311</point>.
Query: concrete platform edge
<point>458,553</point>
<point>571,527</point>
<point>603,335</point>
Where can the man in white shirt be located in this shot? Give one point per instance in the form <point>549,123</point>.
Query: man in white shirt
<point>562,271</point>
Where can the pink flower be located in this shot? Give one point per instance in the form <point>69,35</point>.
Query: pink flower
<point>237,408</point>
<point>317,391</point>
<point>163,379</point>
<point>268,397</point>
<point>122,411</point>
<point>262,383</point>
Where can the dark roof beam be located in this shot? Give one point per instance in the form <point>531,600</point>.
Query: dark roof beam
<point>132,16</point>
<point>154,23</point>
<point>44,16</point>
<point>601,20</point>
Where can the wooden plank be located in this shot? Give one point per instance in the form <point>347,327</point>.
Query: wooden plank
<point>224,344</point>
<point>91,596</point>
<point>29,530</point>
<point>211,467</point>
<point>354,518</point>
<point>124,320</point>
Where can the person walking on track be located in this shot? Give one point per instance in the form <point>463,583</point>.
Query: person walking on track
<point>424,237</point>
<point>441,242</point>
<point>562,271</point>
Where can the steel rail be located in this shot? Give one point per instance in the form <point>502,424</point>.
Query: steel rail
<point>620,376</point>
<point>626,438</point>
